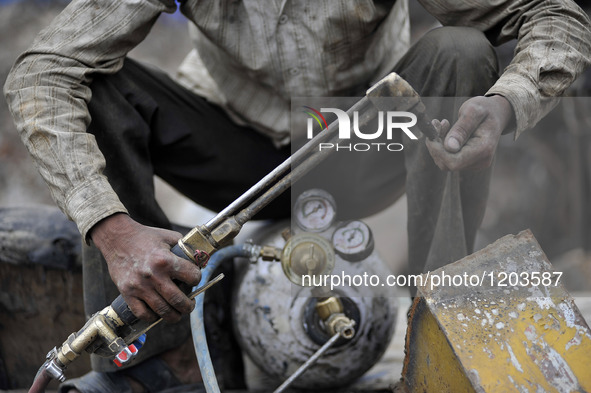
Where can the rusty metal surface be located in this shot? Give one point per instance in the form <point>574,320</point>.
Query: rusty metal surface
<point>519,337</point>
<point>430,364</point>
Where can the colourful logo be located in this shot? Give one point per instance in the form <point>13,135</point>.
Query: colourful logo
<point>316,115</point>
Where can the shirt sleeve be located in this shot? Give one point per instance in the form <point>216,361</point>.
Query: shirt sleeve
<point>553,47</point>
<point>47,91</point>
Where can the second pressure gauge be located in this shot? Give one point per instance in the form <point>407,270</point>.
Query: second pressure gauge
<point>315,210</point>
<point>353,241</point>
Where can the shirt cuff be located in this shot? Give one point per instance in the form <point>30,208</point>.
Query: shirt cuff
<point>523,96</point>
<point>90,202</point>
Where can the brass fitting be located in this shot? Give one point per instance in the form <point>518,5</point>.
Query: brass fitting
<point>226,231</point>
<point>307,254</point>
<point>270,253</point>
<point>66,353</point>
<point>341,324</point>
<point>101,325</point>
<point>286,234</point>
<point>331,312</point>
<point>200,238</point>
<point>328,306</point>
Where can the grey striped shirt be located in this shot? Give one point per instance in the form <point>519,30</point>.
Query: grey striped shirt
<point>251,56</point>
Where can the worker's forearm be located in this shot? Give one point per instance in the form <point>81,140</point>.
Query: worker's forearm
<point>553,48</point>
<point>48,91</point>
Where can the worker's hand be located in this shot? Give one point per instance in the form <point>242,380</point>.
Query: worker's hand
<point>472,141</point>
<point>142,267</point>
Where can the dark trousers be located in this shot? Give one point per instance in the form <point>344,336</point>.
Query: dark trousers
<point>146,124</point>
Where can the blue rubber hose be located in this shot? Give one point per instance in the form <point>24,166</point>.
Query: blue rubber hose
<point>197,325</point>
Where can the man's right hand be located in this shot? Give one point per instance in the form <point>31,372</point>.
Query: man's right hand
<point>143,268</point>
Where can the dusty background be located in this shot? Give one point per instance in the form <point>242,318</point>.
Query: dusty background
<point>542,181</point>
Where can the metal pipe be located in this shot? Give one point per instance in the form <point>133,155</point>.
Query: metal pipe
<point>248,195</point>
<point>278,188</point>
<point>313,359</point>
<point>304,167</point>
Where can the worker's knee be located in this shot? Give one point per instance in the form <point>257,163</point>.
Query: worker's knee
<point>464,48</point>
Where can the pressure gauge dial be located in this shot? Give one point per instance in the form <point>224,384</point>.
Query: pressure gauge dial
<point>307,254</point>
<point>315,210</point>
<point>353,241</point>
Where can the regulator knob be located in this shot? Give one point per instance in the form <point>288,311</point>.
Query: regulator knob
<point>307,254</point>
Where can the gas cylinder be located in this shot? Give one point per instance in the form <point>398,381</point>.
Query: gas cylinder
<point>288,305</point>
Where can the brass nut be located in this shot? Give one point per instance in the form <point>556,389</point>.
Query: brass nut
<point>326,307</point>
<point>226,231</point>
<point>67,352</point>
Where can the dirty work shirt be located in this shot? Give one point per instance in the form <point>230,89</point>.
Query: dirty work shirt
<point>251,56</point>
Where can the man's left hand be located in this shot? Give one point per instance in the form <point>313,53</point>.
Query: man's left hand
<point>472,141</point>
